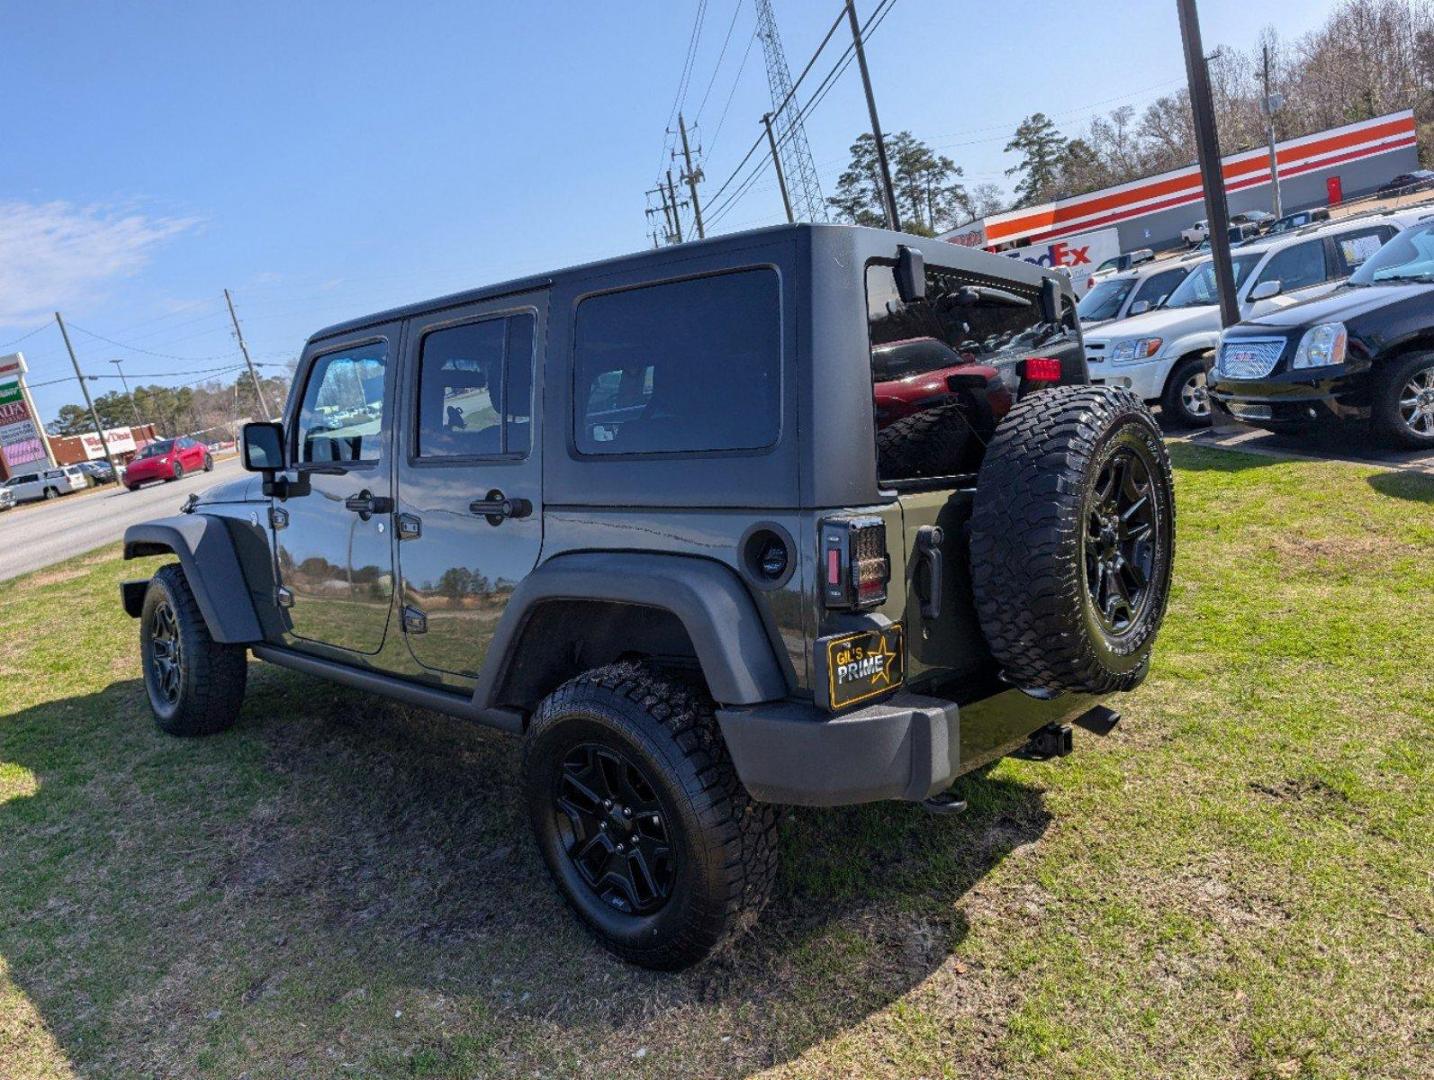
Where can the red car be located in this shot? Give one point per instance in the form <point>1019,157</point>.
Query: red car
<point>913,375</point>
<point>167,459</point>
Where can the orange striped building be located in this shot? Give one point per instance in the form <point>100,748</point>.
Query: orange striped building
<point>1333,165</point>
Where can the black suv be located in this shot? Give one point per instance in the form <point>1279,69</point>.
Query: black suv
<point>632,512</point>
<point>1363,353</point>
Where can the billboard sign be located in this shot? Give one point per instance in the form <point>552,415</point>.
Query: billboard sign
<point>21,441</point>
<point>119,441</point>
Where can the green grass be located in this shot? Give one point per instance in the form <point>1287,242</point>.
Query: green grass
<point>1236,882</point>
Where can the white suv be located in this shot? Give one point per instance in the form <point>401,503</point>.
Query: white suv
<point>1132,292</point>
<point>1163,354</point>
<point>49,484</point>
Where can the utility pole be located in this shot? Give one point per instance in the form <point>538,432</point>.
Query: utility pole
<point>777,164</point>
<point>94,415</point>
<point>691,176</point>
<point>133,408</point>
<point>258,389</point>
<point>893,220</point>
<point>676,214</point>
<point>1207,143</point>
<point>1271,103</point>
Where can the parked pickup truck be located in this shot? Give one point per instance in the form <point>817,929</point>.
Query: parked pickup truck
<point>635,514</point>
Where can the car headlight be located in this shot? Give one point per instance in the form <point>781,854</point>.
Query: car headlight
<point>1135,349</point>
<point>1321,346</point>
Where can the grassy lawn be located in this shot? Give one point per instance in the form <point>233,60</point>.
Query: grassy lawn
<point>1239,881</point>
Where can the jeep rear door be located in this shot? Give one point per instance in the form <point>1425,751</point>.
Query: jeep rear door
<point>469,520</point>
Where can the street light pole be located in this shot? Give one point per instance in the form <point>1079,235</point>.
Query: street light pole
<point>1271,103</point>
<point>1207,143</point>
<point>133,408</point>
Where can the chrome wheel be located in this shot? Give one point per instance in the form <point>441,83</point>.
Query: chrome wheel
<point>166,654</point>
<point>1416,403</point>
<point>1195,397</point>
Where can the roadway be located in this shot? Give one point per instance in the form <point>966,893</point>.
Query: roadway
<point>35,535</point>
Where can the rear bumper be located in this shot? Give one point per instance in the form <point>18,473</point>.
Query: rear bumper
<point>908,747</point>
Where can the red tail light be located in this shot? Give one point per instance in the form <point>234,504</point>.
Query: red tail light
<point>1042,369</point>
<point>857,564</point>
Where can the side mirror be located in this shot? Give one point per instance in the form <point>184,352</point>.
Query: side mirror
<point>1140,307</point>
<point>910,275</point>
<point>1265,289</point>
<point>262,447</point>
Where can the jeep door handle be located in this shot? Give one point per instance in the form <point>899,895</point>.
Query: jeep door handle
<point>365,504</point>
<point>497,507</point>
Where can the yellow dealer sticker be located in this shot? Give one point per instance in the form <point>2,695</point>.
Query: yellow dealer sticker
<point>864,665</point>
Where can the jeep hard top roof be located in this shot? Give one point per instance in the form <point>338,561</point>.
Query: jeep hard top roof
<point>935,252</point>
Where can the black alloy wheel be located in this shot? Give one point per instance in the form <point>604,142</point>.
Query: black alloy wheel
<point>1120,540</point>
<point>166,653</point>
<point>614,830</point>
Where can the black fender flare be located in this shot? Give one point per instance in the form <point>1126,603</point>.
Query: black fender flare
<point>211,565</point>
<point>732,641</point>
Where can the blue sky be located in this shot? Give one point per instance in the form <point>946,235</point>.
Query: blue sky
<point>326,159</point>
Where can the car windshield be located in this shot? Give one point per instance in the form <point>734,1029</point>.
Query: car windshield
<point>1408,257</point>
<point>1103,301</point>
<point>157,449</point>
<point>1198,289</point>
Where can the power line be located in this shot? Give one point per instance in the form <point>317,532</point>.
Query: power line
<point>736,81</point>
<point>736,10</point>
<point>680,97</point>
<point>24,337</point>
<point>147,352</point>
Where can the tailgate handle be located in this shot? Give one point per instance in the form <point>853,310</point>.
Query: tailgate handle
<point>928,555</point>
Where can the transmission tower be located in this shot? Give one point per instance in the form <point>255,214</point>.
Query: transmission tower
<point>805,188</point>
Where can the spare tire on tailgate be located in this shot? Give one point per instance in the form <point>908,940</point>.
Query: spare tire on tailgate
<point>1072,540</point>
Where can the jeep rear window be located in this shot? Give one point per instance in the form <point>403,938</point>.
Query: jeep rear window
<point>681,367</point>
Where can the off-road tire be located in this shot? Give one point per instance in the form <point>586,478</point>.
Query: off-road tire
<point>1385,417</point>
<point>933,442</point>
<point>1173,408</point>
<point>725,844</point>
<point>1035,505</point>
<point>211,675</point>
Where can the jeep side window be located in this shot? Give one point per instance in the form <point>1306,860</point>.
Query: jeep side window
<point>342,413</point>
<point>680,367</point>
<point>475,389</point>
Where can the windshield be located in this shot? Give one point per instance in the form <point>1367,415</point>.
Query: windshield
<point>157,449</point>
<point>1408,257</point>
<point>1199,289</point>
<point>1103,301</point>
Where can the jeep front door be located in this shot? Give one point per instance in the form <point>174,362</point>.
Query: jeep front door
<point>469,487</point>
<point>332,536</point>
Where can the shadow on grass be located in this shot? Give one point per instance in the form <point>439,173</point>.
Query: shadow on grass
<point>335,853</point>
<point>1415,487</point>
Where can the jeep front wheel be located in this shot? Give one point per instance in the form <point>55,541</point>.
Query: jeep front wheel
<point>1073,540</point>
<point>195,683</point>
<point>641,819</point>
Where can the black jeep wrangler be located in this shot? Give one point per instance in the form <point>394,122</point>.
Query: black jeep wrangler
<point>632,512</point>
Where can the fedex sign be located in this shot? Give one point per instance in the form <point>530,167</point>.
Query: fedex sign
<point>1077,256</point>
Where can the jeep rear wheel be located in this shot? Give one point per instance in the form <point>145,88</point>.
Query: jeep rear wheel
<point>195,684</point>
<point>1073,540</point>
<point>641,819</point>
